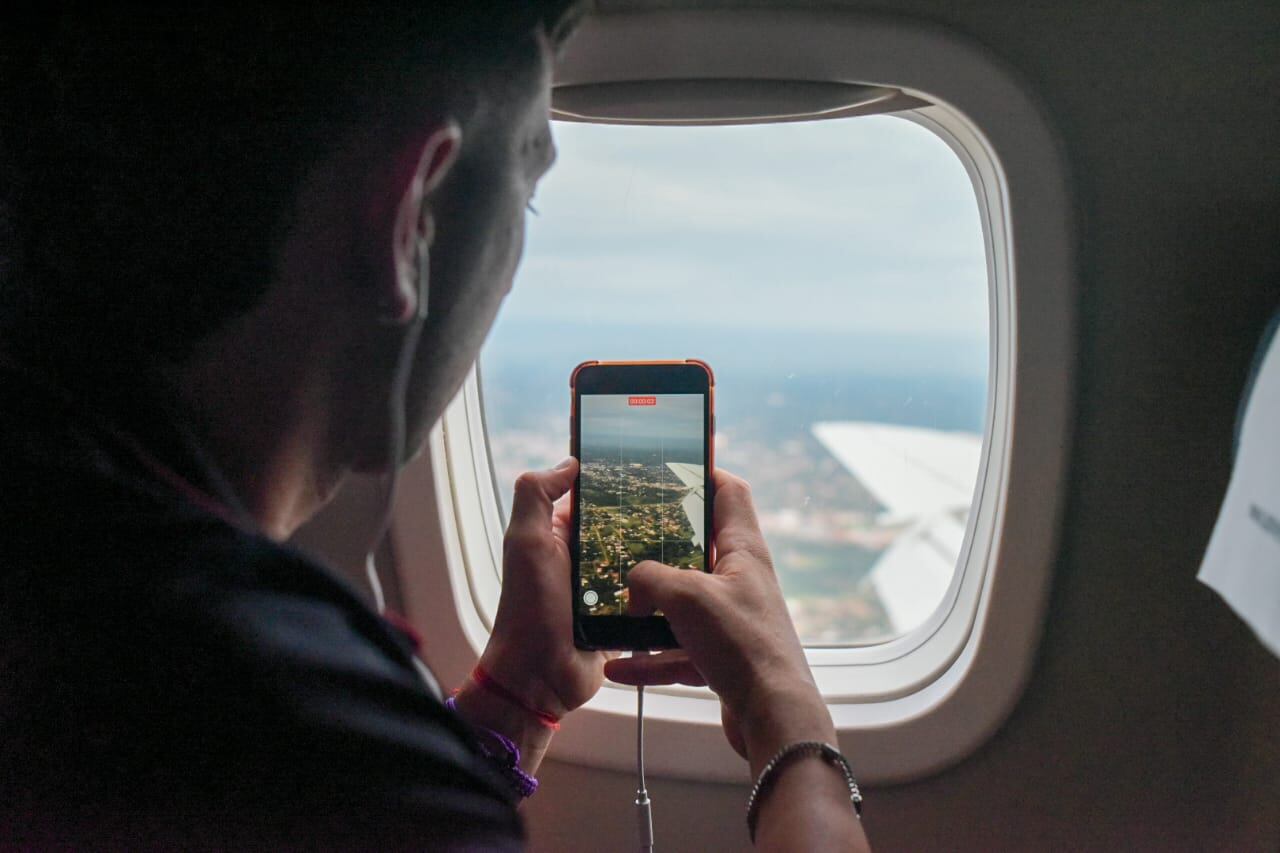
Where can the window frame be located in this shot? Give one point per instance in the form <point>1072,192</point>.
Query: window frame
<point>915,704</point>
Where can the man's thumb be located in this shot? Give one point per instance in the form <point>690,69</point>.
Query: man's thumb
<point>534,494</point>
<point>656,586</point>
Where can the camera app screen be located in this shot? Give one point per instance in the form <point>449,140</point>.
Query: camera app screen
<point>641,491</point>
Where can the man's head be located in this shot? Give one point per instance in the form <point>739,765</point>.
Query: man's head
<point>179,174</point>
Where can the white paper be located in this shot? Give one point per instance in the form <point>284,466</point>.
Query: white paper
<point>1242,562</point>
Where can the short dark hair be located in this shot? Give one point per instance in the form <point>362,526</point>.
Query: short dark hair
<point>149,157</point>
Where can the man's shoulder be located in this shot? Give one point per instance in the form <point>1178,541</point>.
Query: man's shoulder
<point>192,664</point>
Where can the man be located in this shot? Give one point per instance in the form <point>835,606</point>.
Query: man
<point>250,255</point>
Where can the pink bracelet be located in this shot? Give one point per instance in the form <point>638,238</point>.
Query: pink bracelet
<point>487,681</point>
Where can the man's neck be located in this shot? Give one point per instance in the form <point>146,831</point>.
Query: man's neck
<point>261,412</point>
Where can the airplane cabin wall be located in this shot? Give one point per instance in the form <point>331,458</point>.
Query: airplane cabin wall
<point>1150,721</point>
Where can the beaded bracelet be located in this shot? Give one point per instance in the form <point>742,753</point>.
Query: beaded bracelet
<point>503,753</point>
<point>787,755</point>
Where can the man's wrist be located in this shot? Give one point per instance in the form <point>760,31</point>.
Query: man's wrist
<point>783,717</point>
<point>504,753</point>
<point>484,708</point>
<point>523,682</point>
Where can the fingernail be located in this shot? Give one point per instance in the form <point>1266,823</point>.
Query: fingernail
<point>564,463</point>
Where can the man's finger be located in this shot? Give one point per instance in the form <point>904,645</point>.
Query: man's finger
<point>535,493</point>
<point>656,586</point>
<point>561,515</point>
<point>736,525</point>
<point>563,510</point>
<point>673,667</point>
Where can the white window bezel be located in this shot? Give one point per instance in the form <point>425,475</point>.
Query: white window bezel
<point>922,701</point>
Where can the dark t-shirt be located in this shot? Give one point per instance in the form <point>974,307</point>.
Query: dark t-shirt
<point>168,677</point>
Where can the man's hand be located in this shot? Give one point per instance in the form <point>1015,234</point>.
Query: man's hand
<point>735,634</point>
<point>736,637</point>
<point>531,651</point>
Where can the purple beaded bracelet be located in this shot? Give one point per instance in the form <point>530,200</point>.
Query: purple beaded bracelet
<point>503,753</point>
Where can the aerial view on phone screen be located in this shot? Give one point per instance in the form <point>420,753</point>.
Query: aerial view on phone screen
<point>642,491</point>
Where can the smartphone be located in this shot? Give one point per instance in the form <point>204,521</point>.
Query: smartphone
<point>643,434</point>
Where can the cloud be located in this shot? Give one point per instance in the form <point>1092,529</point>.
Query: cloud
<point>857,224</point>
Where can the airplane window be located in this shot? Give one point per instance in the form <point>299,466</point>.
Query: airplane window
<point>833,273</point>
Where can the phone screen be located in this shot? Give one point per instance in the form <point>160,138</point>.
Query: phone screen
<point>642,433</point>
<point>641,491</point>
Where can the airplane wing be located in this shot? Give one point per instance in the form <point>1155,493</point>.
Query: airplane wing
<point>693,477</point>
<point>913,574</point>
<point>910,471</point>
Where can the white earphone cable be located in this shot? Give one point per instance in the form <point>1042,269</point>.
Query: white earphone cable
<point>396,440</point>
<point>644,810</point>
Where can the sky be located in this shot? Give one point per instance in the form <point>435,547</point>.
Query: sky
<point>866,226</point>
<point>675,419</point>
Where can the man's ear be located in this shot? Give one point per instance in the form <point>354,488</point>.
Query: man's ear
<point>424,166</point>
